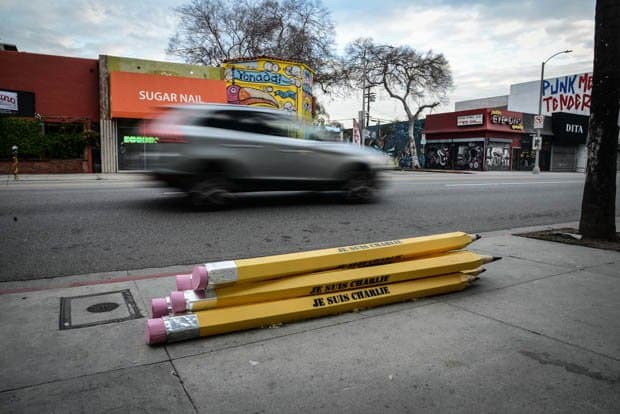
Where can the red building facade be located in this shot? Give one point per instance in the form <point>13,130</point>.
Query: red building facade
<point>65,89</point>
<point>479,139</point>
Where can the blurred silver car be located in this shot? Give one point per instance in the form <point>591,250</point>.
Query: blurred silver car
<point>213,151</point>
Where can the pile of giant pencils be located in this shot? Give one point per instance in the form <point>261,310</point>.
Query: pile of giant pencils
<point>234,295</point>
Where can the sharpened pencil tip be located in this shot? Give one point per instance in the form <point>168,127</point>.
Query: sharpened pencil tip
<point>496,258</point>
<point>472,278</point>
<point>474,272</point>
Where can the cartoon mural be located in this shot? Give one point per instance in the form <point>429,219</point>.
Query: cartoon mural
<point>393,139</point>
<point>271,83</point>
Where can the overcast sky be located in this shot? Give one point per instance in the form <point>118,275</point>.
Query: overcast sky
<point>489,43</point>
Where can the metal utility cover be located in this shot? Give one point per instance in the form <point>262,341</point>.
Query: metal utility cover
<point>97,309</point>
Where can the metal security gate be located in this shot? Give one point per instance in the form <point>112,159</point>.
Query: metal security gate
<point>564,158</point>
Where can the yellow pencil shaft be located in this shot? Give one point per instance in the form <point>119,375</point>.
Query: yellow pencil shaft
<point>262,268</point>
<point>336,280</point>
<point>218,321</point>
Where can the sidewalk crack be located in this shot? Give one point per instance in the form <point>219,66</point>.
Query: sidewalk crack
<point>181,382</point>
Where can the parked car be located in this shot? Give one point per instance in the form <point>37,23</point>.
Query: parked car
<point>215,150</point>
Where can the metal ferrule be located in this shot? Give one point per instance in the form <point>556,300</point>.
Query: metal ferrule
<point>193,295</point>
<point>181,327</point>
<point>206,299</point>
<point>222,272</point>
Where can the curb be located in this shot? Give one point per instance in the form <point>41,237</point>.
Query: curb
<point>69,281</point>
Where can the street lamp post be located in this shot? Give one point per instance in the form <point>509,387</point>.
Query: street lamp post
<point>538,138</point>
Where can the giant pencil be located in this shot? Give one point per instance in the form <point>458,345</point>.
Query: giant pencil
<point>316,283</point>
<point>272,267</point>
<point>236,318</point>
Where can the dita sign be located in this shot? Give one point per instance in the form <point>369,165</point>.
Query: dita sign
<point>569,129</point>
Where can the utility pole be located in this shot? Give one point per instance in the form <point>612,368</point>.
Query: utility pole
<point>537,142</point>
<point>370,97</point>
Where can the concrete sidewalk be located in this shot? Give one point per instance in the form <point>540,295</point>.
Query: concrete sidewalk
<point>539,332</point>
<point>50,178</point>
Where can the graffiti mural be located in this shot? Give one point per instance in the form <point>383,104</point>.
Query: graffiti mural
<point>468,156</point>
<point>393,139</point>
<point>498,156</point>
<point>438,155</point>
<point>270,83</point>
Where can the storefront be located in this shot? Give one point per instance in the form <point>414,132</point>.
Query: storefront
<point>480,139</point>
<point>565,105</point>
<point>131,90</point>
<point>57,93</point>
<point>570,133</point>
<point>565,101</point>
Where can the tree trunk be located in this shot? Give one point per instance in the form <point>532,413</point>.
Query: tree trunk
<point>413,150</point>
<point>598,210</point>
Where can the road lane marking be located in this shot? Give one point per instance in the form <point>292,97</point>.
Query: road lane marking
<point>513,183</point>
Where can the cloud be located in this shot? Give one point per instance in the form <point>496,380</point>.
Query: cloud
<point>89,28</point>
<point>489,44</point>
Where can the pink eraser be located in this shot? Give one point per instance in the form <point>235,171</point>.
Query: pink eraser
<point>184,282</point>
<point>200,277</point>
<point>177,299</point>
<point>159,307</point>
<point>155,331</point>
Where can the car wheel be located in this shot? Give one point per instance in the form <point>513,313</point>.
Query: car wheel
<point>360,187</point>
<point>211,192</point>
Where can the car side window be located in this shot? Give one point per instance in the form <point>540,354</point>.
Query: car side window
<point>272,125</point>
<point>246,121</point>
<point>218,119</point>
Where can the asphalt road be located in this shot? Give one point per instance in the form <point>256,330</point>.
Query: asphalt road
<point>71,228</point>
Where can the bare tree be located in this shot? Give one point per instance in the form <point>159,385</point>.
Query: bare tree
<point>419,81</point>
<point>598,208</point>
<point>211,31</point>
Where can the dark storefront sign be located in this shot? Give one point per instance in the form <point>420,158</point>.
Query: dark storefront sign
<point>569,129</point>
<point>17,103</point>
